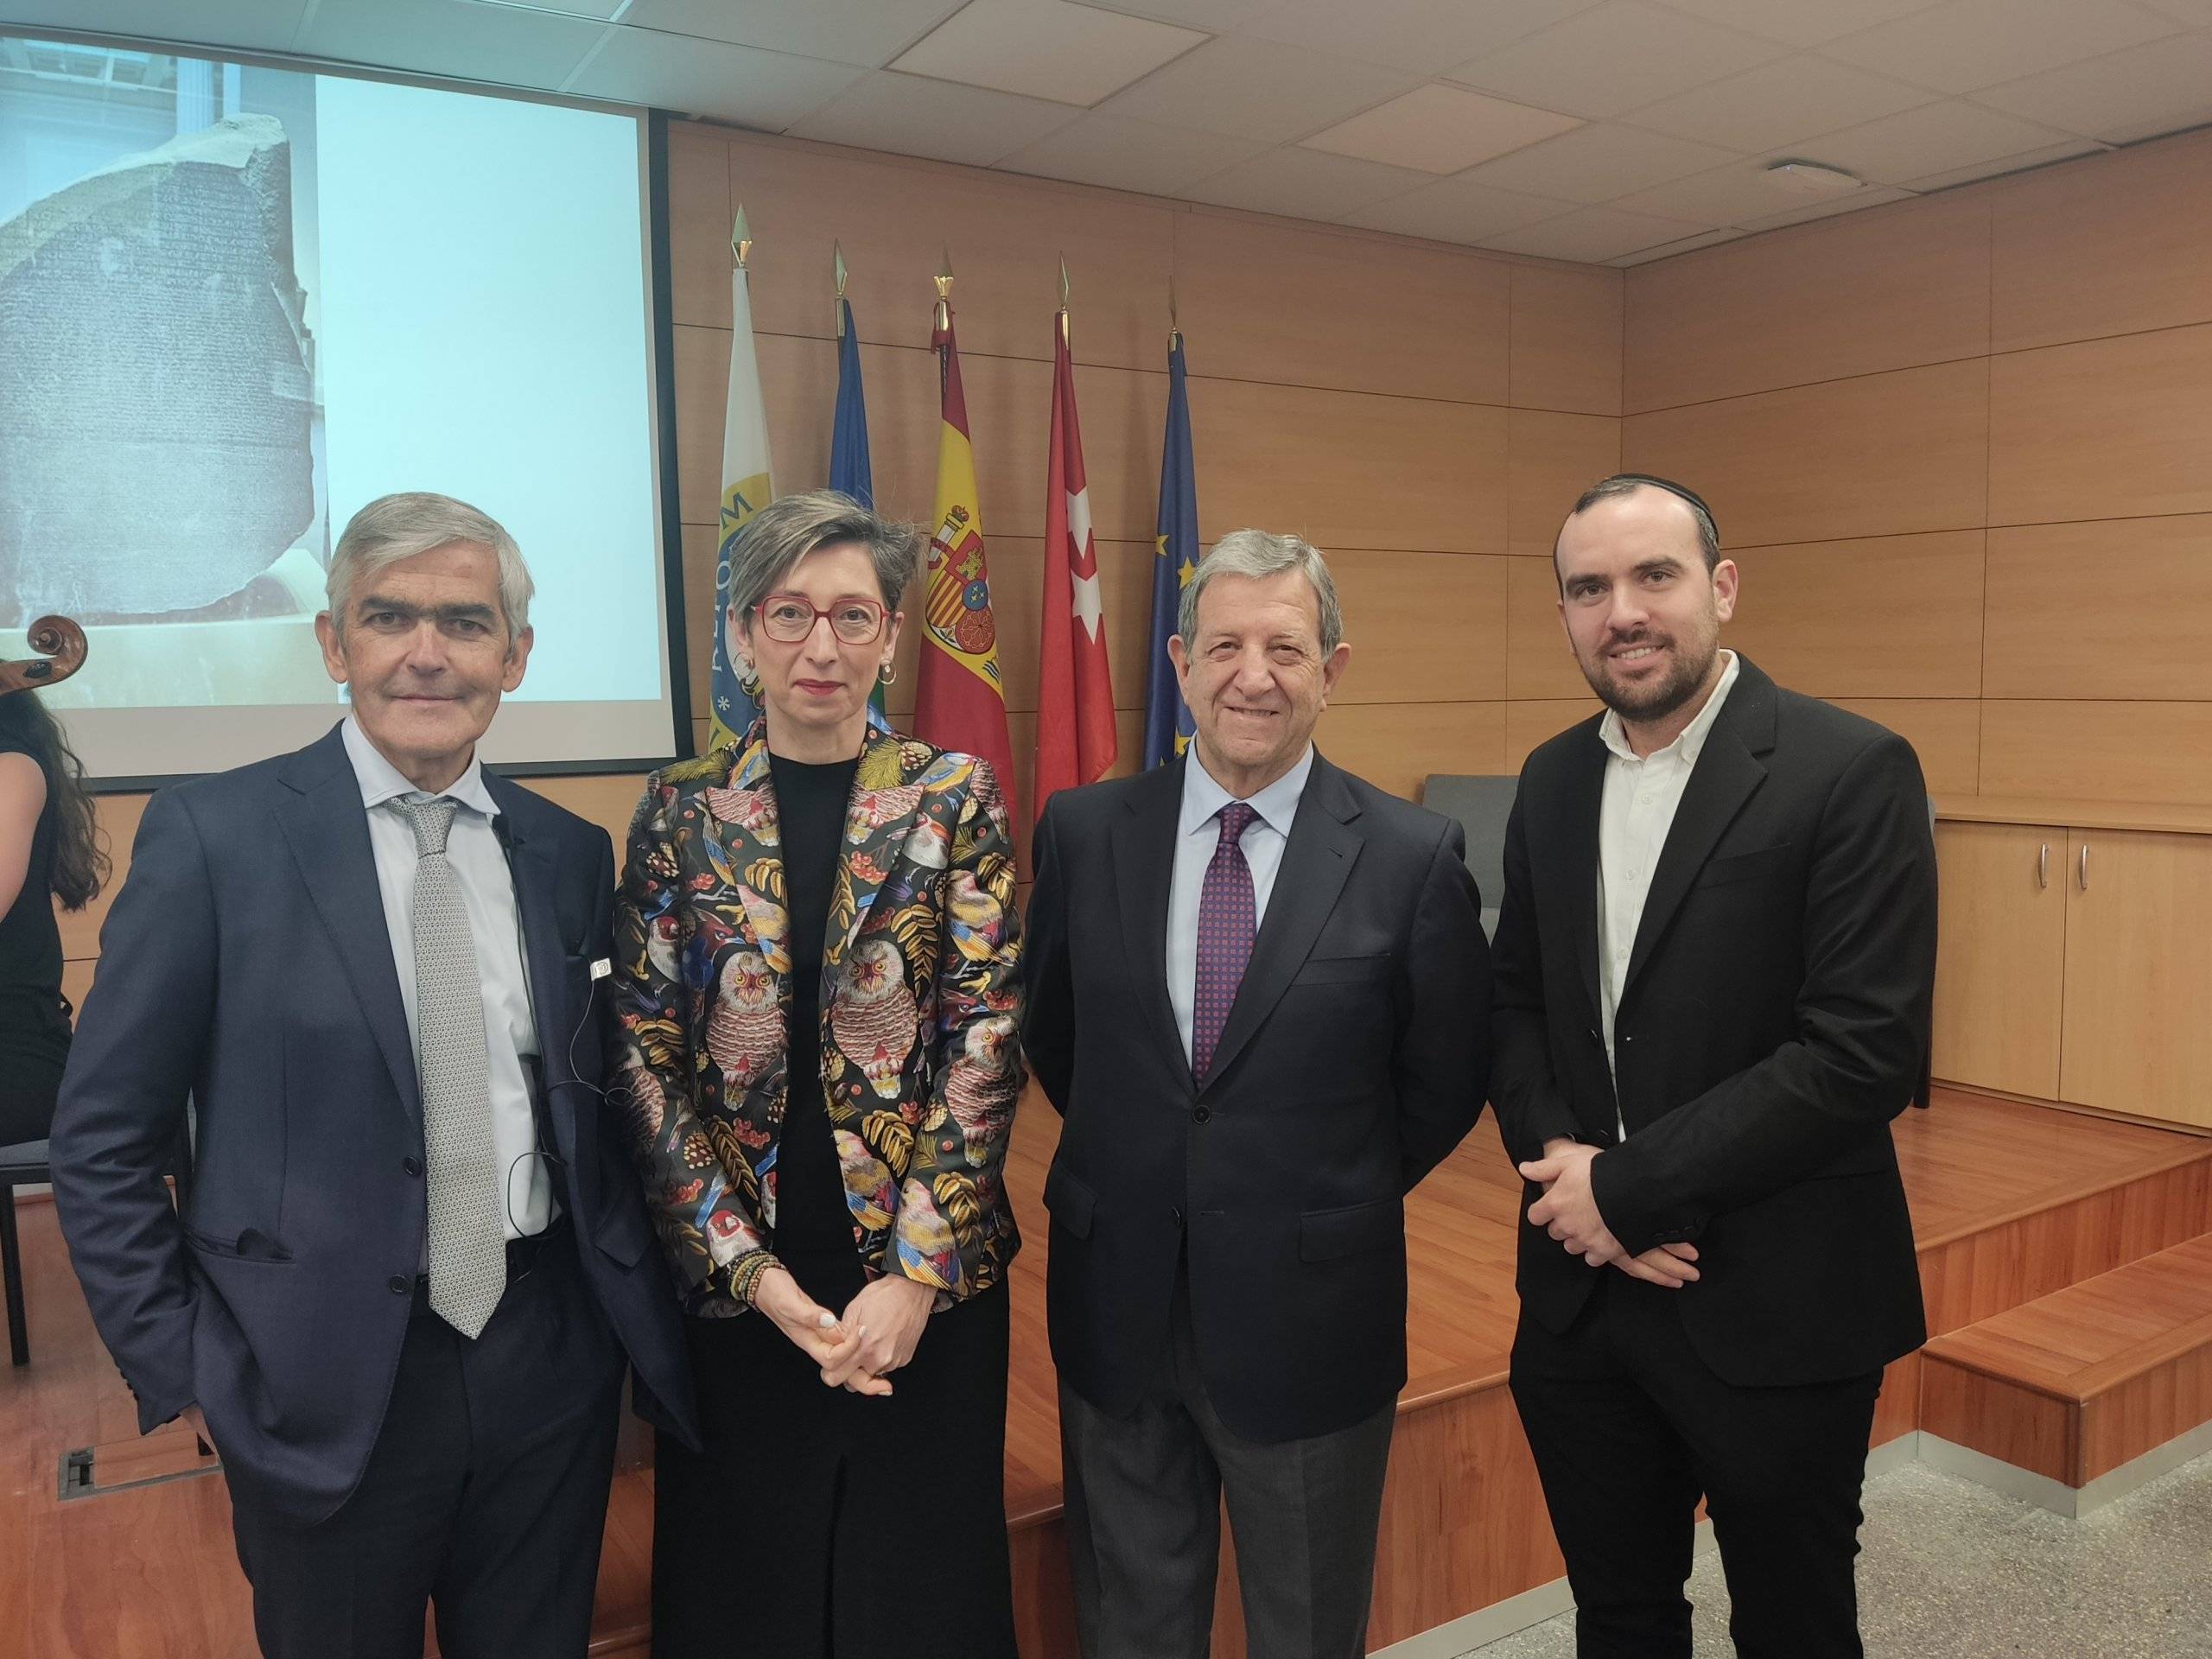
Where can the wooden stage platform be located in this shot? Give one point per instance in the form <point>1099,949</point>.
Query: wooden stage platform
<point>2011,1203</point>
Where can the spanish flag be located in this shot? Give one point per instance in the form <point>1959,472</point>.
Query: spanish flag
<point>959,699</point>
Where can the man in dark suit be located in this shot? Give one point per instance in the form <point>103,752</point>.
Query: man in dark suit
<point>415,1258</point>
<point>1257,997</point>
<point>1715,960</point>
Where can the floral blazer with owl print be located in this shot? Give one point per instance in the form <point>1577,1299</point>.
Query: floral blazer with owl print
<point>921,1064</point>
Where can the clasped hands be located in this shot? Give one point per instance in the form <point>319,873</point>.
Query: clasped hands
<point>876,1334</point>
<point>1568,1212</point>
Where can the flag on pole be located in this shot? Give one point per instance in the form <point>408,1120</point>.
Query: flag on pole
<point>959,699</point>
<point>849,471</point>
<point>1075,691</point>
<point>746,489</point>
<point>1167,725</point>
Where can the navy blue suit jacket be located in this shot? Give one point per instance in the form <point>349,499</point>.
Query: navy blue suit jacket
<point>246,963</point>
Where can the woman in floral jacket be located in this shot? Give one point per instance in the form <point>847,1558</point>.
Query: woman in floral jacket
<point>817,975</point>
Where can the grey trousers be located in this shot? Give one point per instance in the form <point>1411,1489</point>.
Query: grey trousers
<point>1144,1500</point>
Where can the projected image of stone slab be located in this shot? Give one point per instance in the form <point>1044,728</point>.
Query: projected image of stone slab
<point>156,396</point>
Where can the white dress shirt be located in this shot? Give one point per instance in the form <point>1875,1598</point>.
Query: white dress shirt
<point>1197,833</point>
<point>1634,815</point>
<point>487,889</point>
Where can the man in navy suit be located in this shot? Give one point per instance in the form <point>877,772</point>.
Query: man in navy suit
<point>415,1260</point>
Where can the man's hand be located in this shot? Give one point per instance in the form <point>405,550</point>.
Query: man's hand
<point>889,1313</point>
<point>1567,1211</point>
<point>1666,1265</point>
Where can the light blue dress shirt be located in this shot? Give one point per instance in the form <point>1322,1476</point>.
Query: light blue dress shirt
<point>1198,832</point>
<point>487,889</point>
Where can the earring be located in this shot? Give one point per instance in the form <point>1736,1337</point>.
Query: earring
<point>886,672</point>
<point>748,679</point>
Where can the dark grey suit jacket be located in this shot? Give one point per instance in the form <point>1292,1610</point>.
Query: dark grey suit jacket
<point>246,963</point>
<point>1353,1061</point>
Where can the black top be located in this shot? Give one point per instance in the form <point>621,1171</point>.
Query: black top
<point>34,1029</point>
<point>811,1209</point>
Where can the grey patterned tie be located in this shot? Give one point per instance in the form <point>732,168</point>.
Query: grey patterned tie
<point>469,1253</point>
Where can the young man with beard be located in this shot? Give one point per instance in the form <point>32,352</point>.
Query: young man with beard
<point>1714,966</point>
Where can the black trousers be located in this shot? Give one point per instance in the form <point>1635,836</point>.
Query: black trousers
<point>485,1496</point>
<point>823,1524</point>
<point>1145,1493</point>
<point>1630,1427</point>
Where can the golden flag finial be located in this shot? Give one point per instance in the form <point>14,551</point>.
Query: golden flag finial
<point>740,239</point>
<point>944,292</point>
<point>837,258</point>
<point>1174,328</point>
<point>1067,337</point>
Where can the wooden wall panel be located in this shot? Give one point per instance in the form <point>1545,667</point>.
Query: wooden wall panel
<point>1566,339</point>
<point>1853,296</point>
<point>700,215</point>
<point>1348,469</point>
<point>1529,724</point>
<point>897,217</point>
<point>1880,455</point>
<point>1539,661</point>
<point>1550,460</point>
<point>1945,732</point>
<point>1422,322</point>
<point>2112,608</point>
<point>1897,616</point>
<point>2107,428</point>
<point>2098,751</point>
<point>1396,744</point>
<point>1423,627</point>
<point>2111,245</point>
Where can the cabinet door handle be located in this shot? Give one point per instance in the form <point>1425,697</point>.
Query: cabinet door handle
<point>2085,866</point>
<point>2043,867</point>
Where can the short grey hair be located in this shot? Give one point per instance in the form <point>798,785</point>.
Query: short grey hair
<point>774,539</point>
<point>1259,554</point>
<point>396,527</point>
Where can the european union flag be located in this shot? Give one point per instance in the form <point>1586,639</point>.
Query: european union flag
<point>849,471</point>
<point>1166,723</point>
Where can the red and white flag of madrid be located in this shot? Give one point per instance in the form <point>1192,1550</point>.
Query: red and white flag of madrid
<point>1075,693</point>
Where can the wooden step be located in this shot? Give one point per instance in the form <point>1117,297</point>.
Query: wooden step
<point>2077,1386</point>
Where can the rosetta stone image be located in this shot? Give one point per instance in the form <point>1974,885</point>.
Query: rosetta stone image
<point>160,423</point>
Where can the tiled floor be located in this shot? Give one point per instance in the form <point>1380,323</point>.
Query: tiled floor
<point>1953,1571</point>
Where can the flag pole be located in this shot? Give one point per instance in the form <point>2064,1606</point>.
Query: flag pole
<point>837,255</point>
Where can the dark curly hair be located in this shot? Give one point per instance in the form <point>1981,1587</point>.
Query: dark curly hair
<point>80,865</point>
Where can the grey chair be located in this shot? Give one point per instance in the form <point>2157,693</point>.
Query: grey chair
<point>1482,806</point>
<point>25,1164</point>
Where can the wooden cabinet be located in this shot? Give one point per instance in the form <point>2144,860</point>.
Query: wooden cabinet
<point>2000,957</point>
<point>2138,1029</point>
<point>2075,963</point>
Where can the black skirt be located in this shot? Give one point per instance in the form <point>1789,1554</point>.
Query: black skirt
<point>823,1524</point>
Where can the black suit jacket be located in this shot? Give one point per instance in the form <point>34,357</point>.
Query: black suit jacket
<point>1353,1060</point>
<point>246,962</point>
<point>1775,1019</point>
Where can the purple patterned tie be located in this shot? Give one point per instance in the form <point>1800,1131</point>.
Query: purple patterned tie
<point>1225,929</point>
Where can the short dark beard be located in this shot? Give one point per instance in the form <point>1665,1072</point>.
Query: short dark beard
<point>1662,700</point>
